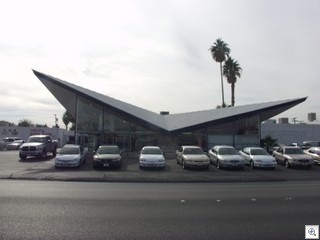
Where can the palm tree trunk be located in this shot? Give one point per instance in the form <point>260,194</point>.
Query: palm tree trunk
<point>223,104</point>
<point>232,93</point>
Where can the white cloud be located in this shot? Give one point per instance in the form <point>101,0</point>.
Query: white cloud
<point>154,54</point>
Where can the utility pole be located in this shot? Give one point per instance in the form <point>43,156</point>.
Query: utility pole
<point>55,120</point>
<point>294,120</point>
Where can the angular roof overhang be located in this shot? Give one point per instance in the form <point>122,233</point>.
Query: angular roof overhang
<point>66,93</point>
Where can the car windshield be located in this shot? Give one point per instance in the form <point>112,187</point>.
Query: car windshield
<point>108,150</point>
<point>316,150</point>
<point>69,150</point>
<point>155,151</point>
<point>227,151</point>
<point>193,151</point>
<point>293,151</point>
<point>259,152</point>
<point>36,139</point>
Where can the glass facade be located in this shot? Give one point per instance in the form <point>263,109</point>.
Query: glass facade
<point>96,125</point>
<point>239,133</point>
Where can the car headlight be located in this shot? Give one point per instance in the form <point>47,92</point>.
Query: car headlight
<point>161,160</point>
<point>142,160</point>
<point>116,159</point>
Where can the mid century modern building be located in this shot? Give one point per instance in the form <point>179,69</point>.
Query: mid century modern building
<point>104,120</point>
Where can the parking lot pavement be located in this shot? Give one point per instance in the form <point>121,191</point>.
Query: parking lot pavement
<point>11,167</point>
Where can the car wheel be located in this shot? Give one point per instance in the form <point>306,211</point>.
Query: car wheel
<point>218,164</point>
<point>251,164</point>
<point>43,154</point>
<point>286,163</point>
<point>183,165</point>
<point>95,166</point>
<point>54,152</point>
<point>177,161</point>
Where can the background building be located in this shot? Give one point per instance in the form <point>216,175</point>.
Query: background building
<point>62,135</point>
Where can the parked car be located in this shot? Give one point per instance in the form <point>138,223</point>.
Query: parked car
<point>15,144</point>
<point>107,156</point>
<point>292,156</point>
<point>70,155</point>
<point>308,144</point>
<point>151,156</point>
<point>314,152</point>
<point>38,146</point>
<point>8,140</point>
<point>226,157</point>
<point>258,157</point>
<point>192,156</point>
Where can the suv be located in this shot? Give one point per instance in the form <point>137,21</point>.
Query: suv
<point>38,146</point>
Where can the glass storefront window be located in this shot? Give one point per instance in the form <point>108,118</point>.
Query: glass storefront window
<point>90,116</point>
<point>112,123</point>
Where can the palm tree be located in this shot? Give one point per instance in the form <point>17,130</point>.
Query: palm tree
<point>219,51</point>
<point>232,70</point>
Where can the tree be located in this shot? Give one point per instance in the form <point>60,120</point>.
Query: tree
<point>232,70</point>
<point>219,50</point>
<point>25,123</point>
<point>268,142</point>
<point>67,118</point>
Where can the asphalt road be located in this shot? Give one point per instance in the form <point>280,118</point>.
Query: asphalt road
<point>100,210</point>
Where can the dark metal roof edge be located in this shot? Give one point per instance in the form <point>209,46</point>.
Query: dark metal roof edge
<point>117,110</point>
<point>163,118</point>
<point>239,116</point>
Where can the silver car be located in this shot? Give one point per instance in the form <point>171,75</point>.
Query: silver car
<point>15,144</point>
<point>226,157</point>
<point>151,156</point>
<point>258,157</point>
<point>314,152</point>
<point>292,157</point>
<point>192,156</point>
<point>71,155</point>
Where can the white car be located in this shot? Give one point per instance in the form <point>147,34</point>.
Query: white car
<point>71,155</point>
<point>226,157</point>
<point>314,152</point>
<point>258,157</point>
<point>151,156</point>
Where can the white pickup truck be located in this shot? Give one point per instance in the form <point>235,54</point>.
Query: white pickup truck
<point>38,146</point>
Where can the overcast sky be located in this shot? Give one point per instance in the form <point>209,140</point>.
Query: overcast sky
<point>154,53</point>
